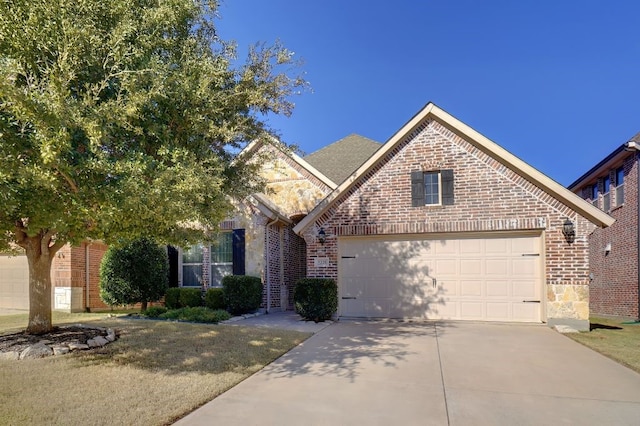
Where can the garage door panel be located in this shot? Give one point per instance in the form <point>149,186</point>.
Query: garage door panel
<point>497,288</point>
<point>471,267</point>
<point>470,288</point>
<point>14,282</point>
<point>497,311</point>
<point>458,278</point>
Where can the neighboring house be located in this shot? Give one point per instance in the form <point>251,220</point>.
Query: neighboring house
<point>441,222</point>
<point>612,185</point>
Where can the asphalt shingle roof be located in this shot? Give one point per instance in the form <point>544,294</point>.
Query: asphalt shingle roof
<point>343,157</point>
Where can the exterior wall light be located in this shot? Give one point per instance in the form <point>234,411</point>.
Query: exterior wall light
<point>322,236</point>
<point>569,231</point>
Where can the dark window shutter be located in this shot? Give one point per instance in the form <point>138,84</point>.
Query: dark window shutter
<point>238,252</point>
<point>172,254</point>
<point>446,176</point>
<point>417,189</point>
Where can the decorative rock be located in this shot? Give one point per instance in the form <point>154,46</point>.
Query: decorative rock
<point>61,350</point>
<point>12,356</point>
<point>565,329</point>
<point>78,346</point>
<point>100,341</point>
<point>111,335</point>
<point>39,350</point>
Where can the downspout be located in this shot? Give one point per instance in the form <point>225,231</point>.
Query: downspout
<point>87,277</point>
<point>266,230</point>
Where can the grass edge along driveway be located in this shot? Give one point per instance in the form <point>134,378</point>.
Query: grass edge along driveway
<point>614,339</point>
<point>155,373</point>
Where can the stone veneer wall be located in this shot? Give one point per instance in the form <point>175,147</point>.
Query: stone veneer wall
<point>488,197</point>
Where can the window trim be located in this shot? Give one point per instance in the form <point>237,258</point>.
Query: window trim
<point>438,194</point>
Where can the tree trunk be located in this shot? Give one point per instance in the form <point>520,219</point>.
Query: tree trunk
<point>143,306</point>
<point>39,291</point>
<point>40,249</point>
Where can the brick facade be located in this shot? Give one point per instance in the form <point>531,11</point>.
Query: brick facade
<point>614,288</point>
<point>489,197</point>
<point>71,281</point>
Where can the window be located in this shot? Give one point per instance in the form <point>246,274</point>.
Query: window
<point>619,186</point>
<point>606,195</point>
<point>432,188</point>
<point>192,266</point>
<point>594,194</point>
<point>206,265</point>
<point>221,258</point>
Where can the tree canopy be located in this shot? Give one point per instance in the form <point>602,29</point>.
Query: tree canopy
<point>122,119</point>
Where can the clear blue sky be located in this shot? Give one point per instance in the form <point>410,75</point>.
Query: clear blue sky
<point>556,83</point>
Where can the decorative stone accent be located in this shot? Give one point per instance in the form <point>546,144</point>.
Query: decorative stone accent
<point>39,350</point>
<point>61,350</point>
<point>568,301</point>
<point>45,347</point>
<point>78,346</point>
<point>10,355</point>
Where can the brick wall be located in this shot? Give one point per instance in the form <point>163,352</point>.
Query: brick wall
<point>488,197</point>
<point>69,270</point>
<point>614,289</point>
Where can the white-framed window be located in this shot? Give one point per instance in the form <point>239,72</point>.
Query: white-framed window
<point>192,261</point>
<point>595,192</point>
<point>221,258</point>
<point>218,257</point>
<point>606,194</point>
<point>432,188</point>
<point>619,183</point>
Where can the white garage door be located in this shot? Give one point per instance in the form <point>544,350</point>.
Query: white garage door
<point>489,278</point>
<point>14,282</point>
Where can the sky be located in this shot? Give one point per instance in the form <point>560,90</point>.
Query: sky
<point>556,83</point>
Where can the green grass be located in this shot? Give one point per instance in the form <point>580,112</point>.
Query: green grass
<point>613,339</point>
<point>18,322</point>
<point>155,373</point>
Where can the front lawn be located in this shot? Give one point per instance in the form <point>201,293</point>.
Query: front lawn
<point>614,339</point>
<point>155,373</point>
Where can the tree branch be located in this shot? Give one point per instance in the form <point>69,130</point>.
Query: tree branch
<point>21,235</point>
<point>70,181</point>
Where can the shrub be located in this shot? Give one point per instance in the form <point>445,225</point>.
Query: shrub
<point>155,311</point>
<point>316,299</point>
<point>172,298</point>
<point>190,297</point>
<point>136,272</point>
<point>197,314</point>
<point>214,298</point>
<point>242,293</point>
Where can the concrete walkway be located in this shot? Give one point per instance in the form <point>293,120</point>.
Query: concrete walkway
<point>446,373</point>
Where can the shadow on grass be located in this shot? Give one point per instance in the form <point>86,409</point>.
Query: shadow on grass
<point>176,348</point>
<point>596,326</point>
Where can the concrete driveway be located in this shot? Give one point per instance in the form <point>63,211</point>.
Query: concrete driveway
<point>445,373</point>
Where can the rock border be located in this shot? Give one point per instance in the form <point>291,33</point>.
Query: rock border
<point>45,348</point>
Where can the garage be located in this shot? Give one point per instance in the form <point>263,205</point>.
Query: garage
<point>14,282</point>
<point>487,277</point>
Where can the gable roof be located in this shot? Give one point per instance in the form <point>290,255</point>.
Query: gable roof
<point>431,111</point>
<point>255,146</point>
<point>343,157</point>
<point>618,154</point>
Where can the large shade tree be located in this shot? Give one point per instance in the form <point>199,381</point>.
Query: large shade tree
<point>121,119</point>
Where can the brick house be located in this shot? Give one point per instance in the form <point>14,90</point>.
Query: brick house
<point>441,222</point>
<point>258,240</point>
<point>612,185</point>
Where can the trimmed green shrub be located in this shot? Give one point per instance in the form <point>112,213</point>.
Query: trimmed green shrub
<point>135,272</point>
<point>197,314</point>
<point>316,299</point>
<point>172,298</point>
<point>154,311</point>
<point>214,298</point>
<point>242,293</point>
<point>190,297</point>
